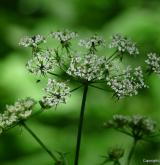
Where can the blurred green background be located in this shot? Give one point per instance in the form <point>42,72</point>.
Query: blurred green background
<point>139,19</point>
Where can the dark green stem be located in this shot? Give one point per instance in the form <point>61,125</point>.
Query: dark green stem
<point>76,88</point>
<point>111,56</point>
<point>80,126</point>
<point>100,88</point>
<point>39,141</point>
<point>54,74</point>
<point>131,151</point>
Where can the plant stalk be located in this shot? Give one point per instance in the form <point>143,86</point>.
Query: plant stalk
<point>40,142</point>
<point>80,126</point>
<point>132,151</point>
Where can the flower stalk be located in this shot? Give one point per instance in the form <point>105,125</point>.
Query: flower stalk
<point>39,141</point>
<point>80,126</point>
<point>132,151</point>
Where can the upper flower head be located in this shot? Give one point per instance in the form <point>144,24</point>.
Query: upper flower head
<point>123,45</point>
<point>92,43</point>
<point>89,67</point>
<point>41,63</point>
<point>65,38</point>
<point>32,41</point>
<point>56,93</point>
<point>64,35</point>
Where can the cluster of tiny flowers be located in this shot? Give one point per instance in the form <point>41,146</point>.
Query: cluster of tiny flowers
<point>41,63</point>
<point>123,45</point>
<point>113,155</point>
<point>32,41</point>
<point>55,93</point>
<point>135,125</point>
<point>92,42</point>
<point>64,36</point>
<point>21,110</point>
<point>128,83</point>
<point>153,62</point>
<point>89,67</point>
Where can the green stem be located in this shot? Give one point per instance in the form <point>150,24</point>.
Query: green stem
<point>76,88</point>
<point>80,126</point>
<point>40,142</point>
<point>100,88</point>
<point>111,56</point>
<point>54,74</point>
<point>131,151</point>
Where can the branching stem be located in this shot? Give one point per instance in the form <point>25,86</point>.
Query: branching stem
<point>80,126</point>
<point>76,88</point>
<point>39,141</point>
<point>54,74</point>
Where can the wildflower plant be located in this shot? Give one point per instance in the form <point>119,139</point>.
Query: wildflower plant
<point>87,69</point>
<point>137,126</point>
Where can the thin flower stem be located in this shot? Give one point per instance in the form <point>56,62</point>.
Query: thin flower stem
<point>76,88</point>
<point>111,55</point>
<point>98,82</point>
<point>37,113</point>
<point>131,151</point>
<point>100,88</point>
<point>54,74</point>
<point>39,141</point>
<point>80,126</point>
<point>114,58</point>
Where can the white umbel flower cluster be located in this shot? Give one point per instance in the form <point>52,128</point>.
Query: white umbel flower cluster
<point>123,45</point>
<point>41,63</point>
<point>92,42</point>
<point>89,67</point>
<point>21,110</point>
<point>136,124</point>
<point>128,83</point>
<point>55,93</point>
<point>32,41</point>
<point>153,62</point>
<point>64,36</point>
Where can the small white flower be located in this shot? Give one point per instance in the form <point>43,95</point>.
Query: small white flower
<point>89,67</point>
<point>128,83</point>
<point>55,93</point>
<point>123,45</point>
<point>92,42</point>
<point>146,125</point>
<point>41,63</point>
<point>21,109</point>
<point>32,41</point>
<point>153,62</point>
<point>64,35</point>
<point>135,125</point>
